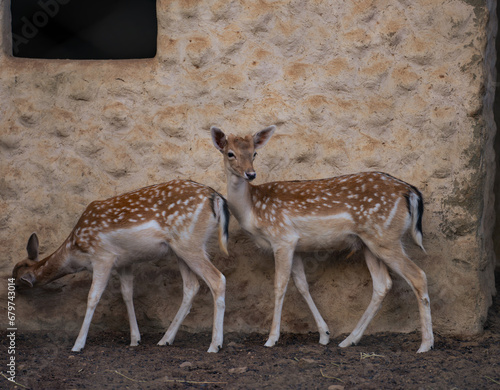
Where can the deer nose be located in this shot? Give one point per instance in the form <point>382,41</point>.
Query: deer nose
<point>250,175</point>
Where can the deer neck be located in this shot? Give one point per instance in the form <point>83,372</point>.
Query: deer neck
<point>55,266</point>
<point>239,199</point>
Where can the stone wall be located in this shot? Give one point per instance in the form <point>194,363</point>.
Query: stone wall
<point>396,86</point>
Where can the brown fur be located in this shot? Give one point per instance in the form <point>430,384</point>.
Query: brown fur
<point>369,210</point>
<point>141,225</point>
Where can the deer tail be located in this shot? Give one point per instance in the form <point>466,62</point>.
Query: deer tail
<point>416,209</point>
<point>221,212</point>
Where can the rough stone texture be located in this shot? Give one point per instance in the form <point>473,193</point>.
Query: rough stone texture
<point>397,86</point>
<point>496,112</point>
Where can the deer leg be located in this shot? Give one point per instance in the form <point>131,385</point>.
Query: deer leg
<point>283,259</point>
<point>190,289</point>
<point>199,263</point>
<point>100,278</point>
<point>382,283</point>
<point>127,288</point>
<point>397,260</point>
<point>299,278</point>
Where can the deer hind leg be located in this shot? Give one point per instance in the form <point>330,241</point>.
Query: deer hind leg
<point>382,283</point>
<point>396,259</point>
<point>299,278</point>
<point>190,289</point>
<point>127,288</point>
<point>199,263</point>
<point>100,278</point>
<point>283,259</point>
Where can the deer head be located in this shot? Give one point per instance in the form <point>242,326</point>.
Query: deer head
<point>239,152</point>
<point>23,272</point>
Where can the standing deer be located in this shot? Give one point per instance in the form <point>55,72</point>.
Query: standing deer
<point>140,226</point>
<point>365,211</point>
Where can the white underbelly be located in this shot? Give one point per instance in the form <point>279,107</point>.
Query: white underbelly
<point>334,232</point>
<point>333,242</point>
<point>141,243</point>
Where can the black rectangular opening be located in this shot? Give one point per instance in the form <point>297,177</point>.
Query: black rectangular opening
<point>84,29</point>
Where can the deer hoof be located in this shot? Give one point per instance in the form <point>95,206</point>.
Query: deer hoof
<point>270,343</point>
<point>346,343</point>
<point>214,349</point>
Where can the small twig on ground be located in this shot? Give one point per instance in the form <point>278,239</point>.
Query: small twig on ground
<point>491,379</point>
<point>369,355</point>
<point>125,376</point>
<point>166,380</point>
<point>330,377</point>
<point>16,383</point>
<point>194,382</point>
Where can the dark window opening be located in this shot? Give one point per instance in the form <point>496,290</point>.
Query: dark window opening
<point>84,29</point>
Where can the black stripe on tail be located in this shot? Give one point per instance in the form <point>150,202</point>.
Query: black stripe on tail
<point>420,206</point>
<point>225,210</point>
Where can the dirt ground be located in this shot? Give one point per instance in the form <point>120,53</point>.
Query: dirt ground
<point>381,361</point>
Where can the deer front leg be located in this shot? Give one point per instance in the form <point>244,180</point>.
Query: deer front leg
<point>190,289</point>
<point>100,279</point>
<point>299,278</point>
<point>283,258</point>
<point>382,283</point>
<point>127,289</point>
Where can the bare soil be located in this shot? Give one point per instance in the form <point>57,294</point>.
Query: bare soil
<point>381,361</point>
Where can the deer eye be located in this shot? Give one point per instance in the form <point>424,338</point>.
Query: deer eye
<point>231,155</point>
<point>254,154</point>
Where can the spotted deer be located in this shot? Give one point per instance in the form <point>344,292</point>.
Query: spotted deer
<point>365,211</point>
<point>141,225</point>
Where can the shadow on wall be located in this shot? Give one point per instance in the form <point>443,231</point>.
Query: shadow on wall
<point>496,113</point>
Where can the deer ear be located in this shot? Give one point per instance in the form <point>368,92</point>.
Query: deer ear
<point>32,247</point>
<point>261,138</point>
<point>218,138</point>
<point>28,278</point>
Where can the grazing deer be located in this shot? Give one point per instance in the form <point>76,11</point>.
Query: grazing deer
<point>140,226</point>
<point>365,211</point>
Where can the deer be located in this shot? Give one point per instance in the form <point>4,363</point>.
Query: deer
<point>176,217</point>
<point>367,211</point>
